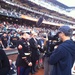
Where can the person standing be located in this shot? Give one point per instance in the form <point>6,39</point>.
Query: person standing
<point>4,39</point>
<point>34,49</point>
<point>23,61</point>
<point>14,40</point>
<point>4,63</point>
<point>41,49</point>
<point>62,58</point>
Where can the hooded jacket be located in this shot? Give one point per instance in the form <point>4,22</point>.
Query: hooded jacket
<point>63,58</point>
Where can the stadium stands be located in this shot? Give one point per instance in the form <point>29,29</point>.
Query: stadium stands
<point>52,14</point>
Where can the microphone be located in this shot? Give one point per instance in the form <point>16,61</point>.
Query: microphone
<point>40,21</point>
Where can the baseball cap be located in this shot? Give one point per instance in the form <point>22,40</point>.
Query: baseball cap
<point>66,30</point>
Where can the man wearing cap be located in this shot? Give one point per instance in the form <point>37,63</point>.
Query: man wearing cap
<point>63,56</point>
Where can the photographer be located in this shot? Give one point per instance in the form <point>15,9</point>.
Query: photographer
<point>49,47</point>
<point>62,58</point>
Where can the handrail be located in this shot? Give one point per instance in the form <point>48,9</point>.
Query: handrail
<point>14,4</point>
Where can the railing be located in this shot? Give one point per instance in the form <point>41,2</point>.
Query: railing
<point>37,12</point>
<point>9,13</point>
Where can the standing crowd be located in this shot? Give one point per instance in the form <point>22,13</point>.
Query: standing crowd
<point>56,56</point>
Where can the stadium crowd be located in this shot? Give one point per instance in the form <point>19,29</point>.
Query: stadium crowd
<point>10,34</point>
<point>11,29</point>
<point>30,10</point>
<point>13,35</point>
<point>37,46</point>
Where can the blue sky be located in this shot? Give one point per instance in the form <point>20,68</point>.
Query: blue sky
<point>70,3</point>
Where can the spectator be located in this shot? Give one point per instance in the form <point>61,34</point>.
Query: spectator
<point>63,56</point>
<point>4,63</point>
<point>4,39</point>
<point>34,50</point>
<point>14,40</point>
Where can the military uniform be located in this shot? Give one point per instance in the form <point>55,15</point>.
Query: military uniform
<point>22,64</point>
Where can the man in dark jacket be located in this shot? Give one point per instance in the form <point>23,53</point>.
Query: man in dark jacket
<point>4,39</point>
<point>63,56</point>
<point>14,40</point>
<point>4,63</point>
<point>34,49</point>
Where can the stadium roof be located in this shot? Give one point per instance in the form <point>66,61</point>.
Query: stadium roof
<point>69,3</point>
<point>64,3</point>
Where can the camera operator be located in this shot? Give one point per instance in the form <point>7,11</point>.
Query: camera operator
<point>62,58</point>
<point>49,46</point>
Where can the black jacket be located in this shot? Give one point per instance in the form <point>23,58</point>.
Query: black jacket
<point>4,63</point>
<point>1,47</point>
<point>14,39</point>
<point>22,53</point>
<point>4,39</point>
<point>34,49</point>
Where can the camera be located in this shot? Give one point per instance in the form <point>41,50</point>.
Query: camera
<point>53,40</point>
<point>52,37</point>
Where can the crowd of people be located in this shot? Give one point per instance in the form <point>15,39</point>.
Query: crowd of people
<point>50,48</point>
<point>9,12</point>
<point>37,46</point>
<point>11,34</point>
<point>18,12</point>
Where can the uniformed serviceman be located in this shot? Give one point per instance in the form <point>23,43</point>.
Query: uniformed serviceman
<point>23,61</point>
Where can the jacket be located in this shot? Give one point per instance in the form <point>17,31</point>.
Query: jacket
<point>4,63</point>
<point>63,58</point>
<point>34,49</point>
<point>23,53</point>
